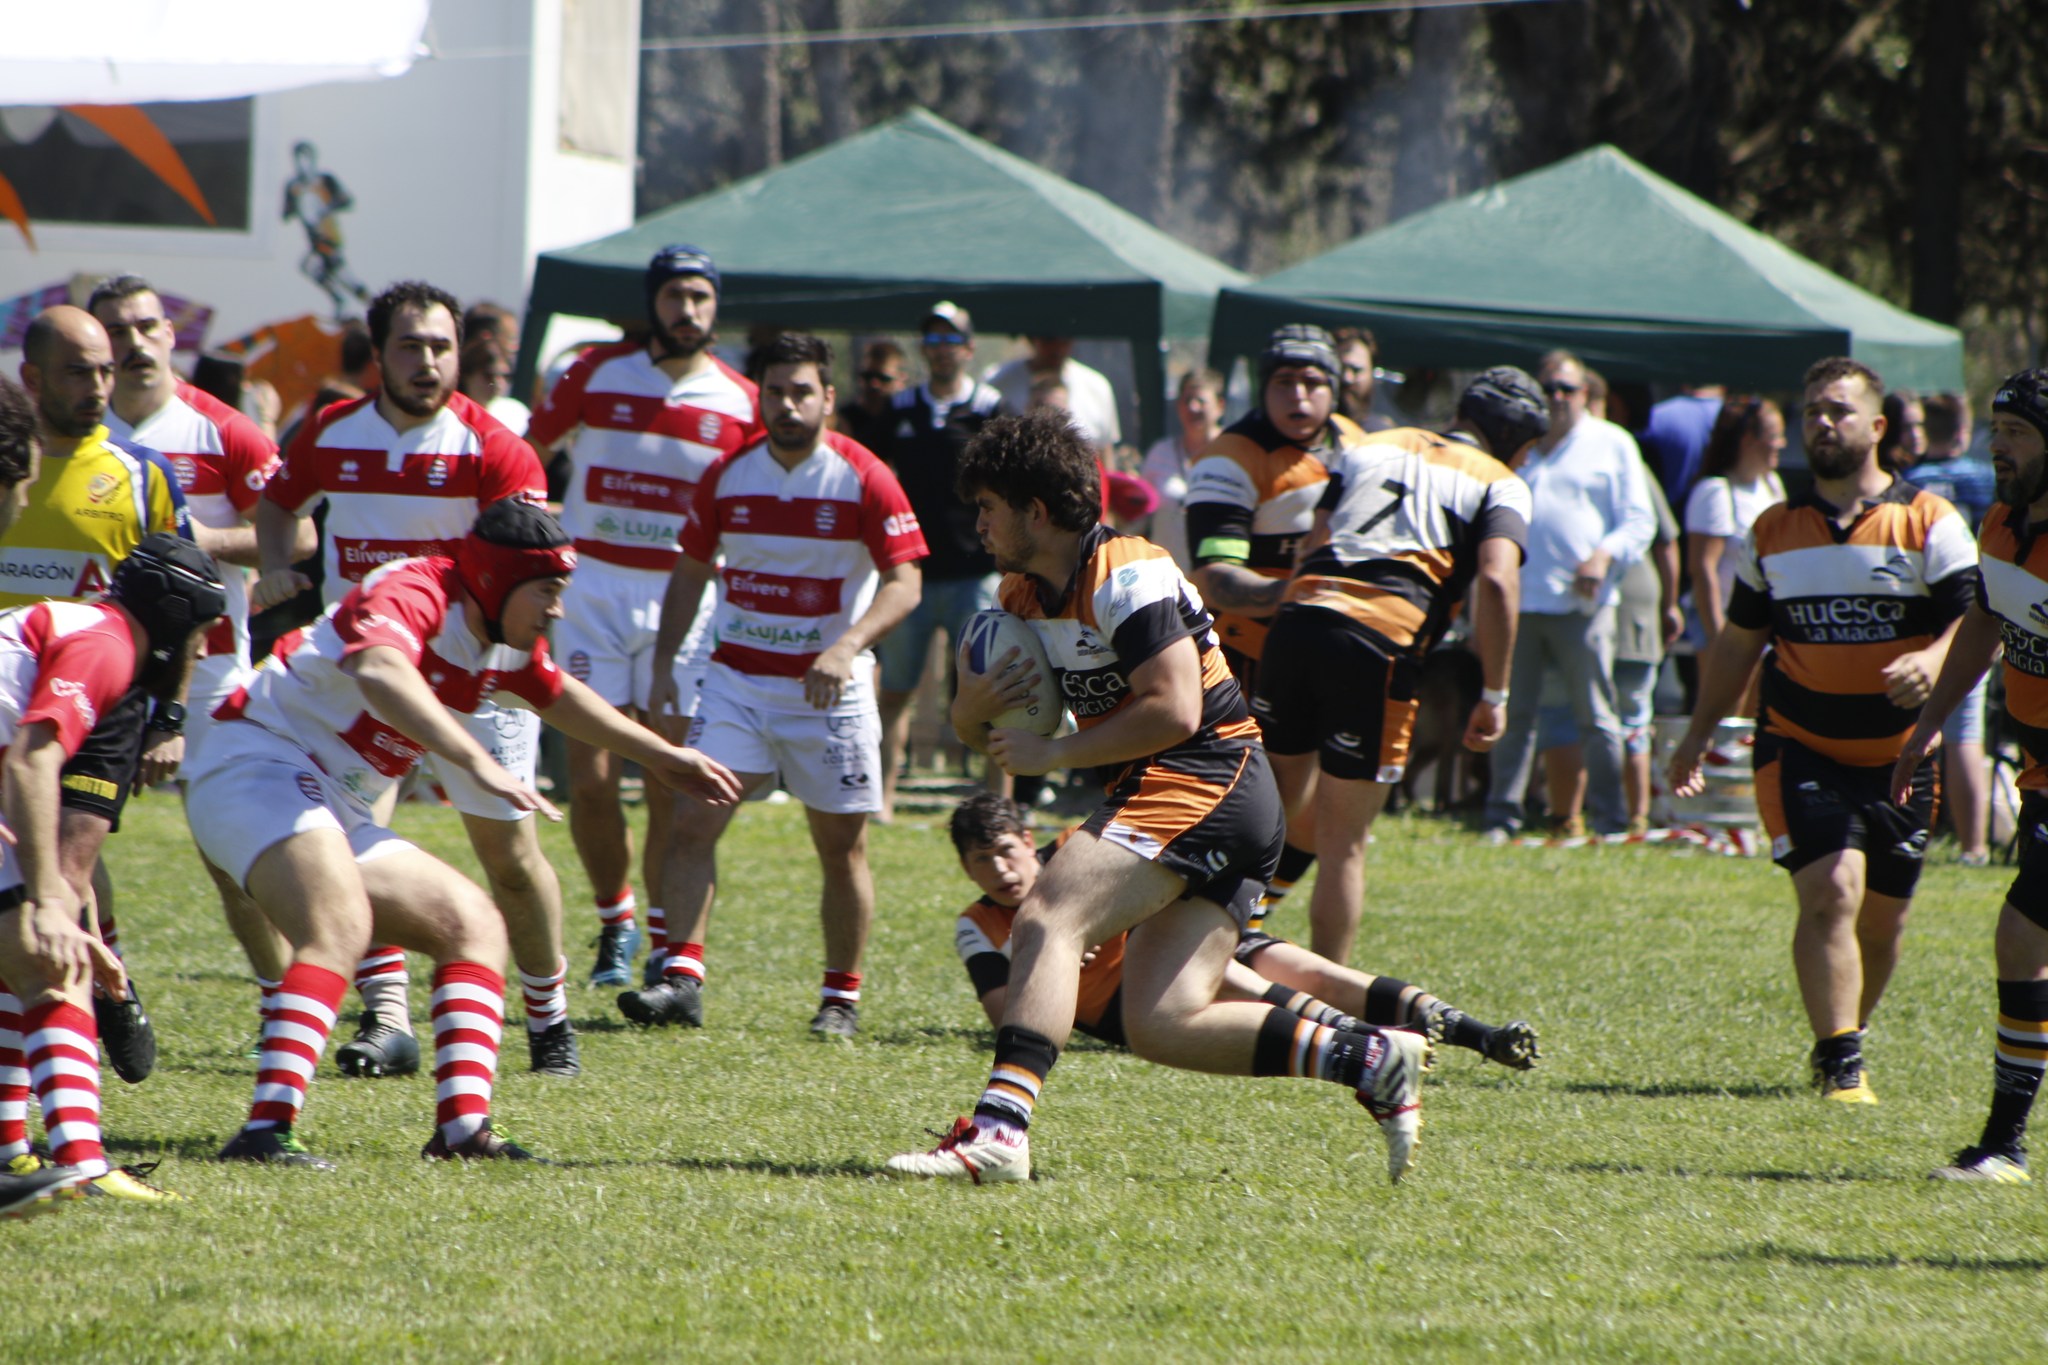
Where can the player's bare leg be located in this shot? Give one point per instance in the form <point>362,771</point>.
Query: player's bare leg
<point>846,910</point>
<point>529,897</point>
<point>1829,961</point>
<point>689,883</point>
<point>894,708</point>
<point>1344,811</point>
<point>1880,929</point>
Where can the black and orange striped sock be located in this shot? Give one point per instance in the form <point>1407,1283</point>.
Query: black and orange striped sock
<point>1294,865</point>
<point>1390,1003</point>
<point>1023,1059</point>
<point>1309,1008</point>
<point>2021,1058</point>
<point>1289,1045</point>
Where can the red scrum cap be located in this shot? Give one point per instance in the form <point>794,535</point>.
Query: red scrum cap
<point>513,542</point>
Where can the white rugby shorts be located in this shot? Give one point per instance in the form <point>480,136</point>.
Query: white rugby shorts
<point>214,680</point>
<point>512,736</point>
<point>831,763</point>
<point>605,639</point>
<point>255,789</point>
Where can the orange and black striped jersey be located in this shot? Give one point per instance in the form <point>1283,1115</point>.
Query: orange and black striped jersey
<point>982,936</point>
<point>1126,602</point>
<point>1843,603</point>
<point>1251,497</point>
<point>1407,510</point>
<point>2014,588</point>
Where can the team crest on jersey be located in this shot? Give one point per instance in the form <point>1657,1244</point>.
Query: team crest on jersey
<point>825,518</point>
<point>101,487</point>
<point>707,428</point>
<point>187,470</point>
<point>579,665</point>
<point>437,472</point>
<point>309,787</point>
<point>254,478</point>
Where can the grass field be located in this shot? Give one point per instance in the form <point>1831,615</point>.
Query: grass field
<point>1663,1186</point>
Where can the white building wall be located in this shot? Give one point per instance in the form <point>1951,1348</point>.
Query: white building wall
<point>455,169</point>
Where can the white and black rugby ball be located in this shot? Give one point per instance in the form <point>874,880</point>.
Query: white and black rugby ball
<point>987,637</point>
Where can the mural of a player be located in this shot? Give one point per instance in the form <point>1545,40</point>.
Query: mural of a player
<point>315,198</point>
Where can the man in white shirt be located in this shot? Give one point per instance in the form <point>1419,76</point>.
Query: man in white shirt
<point>1592,519</point>
<point>1091,400</point>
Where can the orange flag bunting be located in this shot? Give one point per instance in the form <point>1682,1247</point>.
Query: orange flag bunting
<point>130,127</point>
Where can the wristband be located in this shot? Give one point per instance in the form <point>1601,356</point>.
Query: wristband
<point>1494,696</point>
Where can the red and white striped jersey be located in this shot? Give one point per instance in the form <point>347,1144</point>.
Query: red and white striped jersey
<point>68,663</point>
<point>302,694</point>
<point>393,496</point>
<point>642,441</point>
<point>803,550</point>
<point>223,462</point>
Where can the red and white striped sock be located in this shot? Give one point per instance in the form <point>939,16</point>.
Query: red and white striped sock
<point>380,980</point>
<point>295,1030</point>
<point>619,909</point>
<point>13,1081</point>
<point>469,1020</point>
<point>841,986</point>
<point>110,933</point>
<point>687,960</point>
<point>266,999</point>
<point>657,936</point>
<point>64,1066</point>
<point>547,1002</point>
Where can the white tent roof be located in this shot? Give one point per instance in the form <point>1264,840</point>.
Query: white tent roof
<point>143,51</point>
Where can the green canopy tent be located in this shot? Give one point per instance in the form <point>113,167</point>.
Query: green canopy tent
<point>1599,256</point>
<point>871,231</point>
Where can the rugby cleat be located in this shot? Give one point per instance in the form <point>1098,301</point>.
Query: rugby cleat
<point>482,1145</point>
<point>673,1000</point>
<point>553,1050</point>
<point>1987,1166</point>
<point>126,1036</point>
<point>616,945</point>
<point>1393,1096</point>
<point>379,1049</point>
<point>24,1194</point>
<point>836,1019</point>
<point>984,1156</point>
<point>272,1147</point>
<point>1513,1044</point>
<point>128,1182</point>
<point>1842,1077</point>
<point>28,1163</point>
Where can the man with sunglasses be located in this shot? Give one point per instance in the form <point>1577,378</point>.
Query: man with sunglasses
<point>1591,519</point>
<point>933,424</point>
<point>870,415</point>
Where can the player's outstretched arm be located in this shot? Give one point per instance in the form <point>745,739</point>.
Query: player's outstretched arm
<point>1164,708</point>
<point>678,613</point>
<point>401,698</point>
<point>1723,677</point>
<point>1970,655</point>
<point>582,715</point>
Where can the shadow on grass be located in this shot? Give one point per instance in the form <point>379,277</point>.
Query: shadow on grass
<point>1688,1173</point>
<point>1664,1090</point>
<point>812,1170</point>
<point>184,1148</point>
<point>1772,1252</point>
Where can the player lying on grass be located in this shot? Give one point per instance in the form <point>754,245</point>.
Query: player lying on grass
<point>1189,830</point>
<point>281,798</point>
<point>993,838</point>
<point>66,668</point>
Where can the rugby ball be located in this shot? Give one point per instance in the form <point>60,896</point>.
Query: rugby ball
<point>987,637</point>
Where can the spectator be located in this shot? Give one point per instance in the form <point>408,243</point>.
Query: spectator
<point>1199,404</point>
<point>1676,436</point>
<point>1646,622</point>
<point>933,424</point>
<point>261,405</point>
<point>1592,519</point>
<point>1358,351</point>
<point>486,380</point>
<point>1091,401</point>
<point>866,417</point>
<point>1905,431</point>
<point>484,320</point>
<point>1948,471</point>
<point>1738,480</point>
